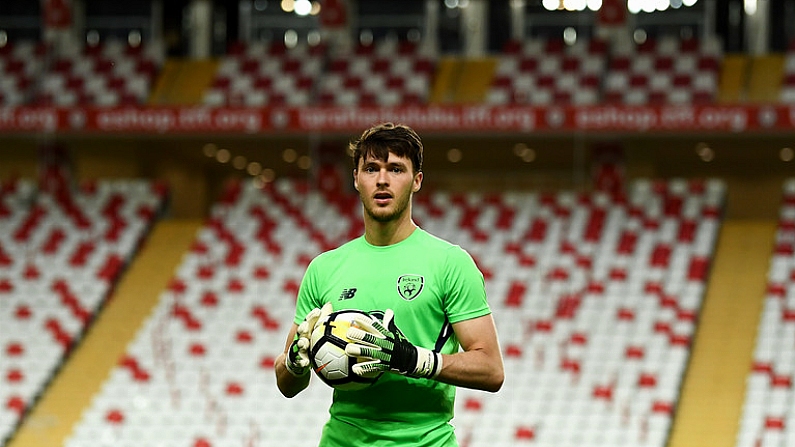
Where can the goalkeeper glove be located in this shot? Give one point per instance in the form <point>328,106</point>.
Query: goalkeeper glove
<point>389,350</point>
<point>297,358</point>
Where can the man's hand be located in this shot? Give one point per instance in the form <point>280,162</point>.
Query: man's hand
<point>297,358</point>
<point>387,349</point>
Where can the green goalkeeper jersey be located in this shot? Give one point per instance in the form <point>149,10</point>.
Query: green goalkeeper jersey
<point>429,283</point>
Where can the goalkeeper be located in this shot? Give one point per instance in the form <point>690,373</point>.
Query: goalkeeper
<point>434,329</point>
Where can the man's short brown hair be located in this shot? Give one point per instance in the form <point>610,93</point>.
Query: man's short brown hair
<point>381,139</point>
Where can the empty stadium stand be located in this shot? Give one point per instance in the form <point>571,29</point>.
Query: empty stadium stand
<point>537,71</point>
<point>596,301</point>
<point>668,71</point>
<point>546,71</point>
<point>266,74</point>
<point>61,254</point>
<point>596,298</point>
<point>107,74</point>
<point>664,71</point>
<point>768,416</point>
<point>20,63</point>
<point>386,73</point>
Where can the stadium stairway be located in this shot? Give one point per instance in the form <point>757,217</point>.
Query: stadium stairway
<point>463,81</point>
<point>183,82</point>
<point>713,389</point>
<point>475,80</point>
<point>733,79</point>
<point>767,418</point>
<point>445,81</point>
<point>765,76</point>
<point>51,420</point>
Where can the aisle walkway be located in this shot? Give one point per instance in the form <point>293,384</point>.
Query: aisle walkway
<point>59,409</point>
<point>714,387</point>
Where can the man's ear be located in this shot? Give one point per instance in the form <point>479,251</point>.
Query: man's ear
<point>417,182</point>
<point>355,181</point>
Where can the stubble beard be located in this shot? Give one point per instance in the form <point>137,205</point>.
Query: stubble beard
<point>386,214</point>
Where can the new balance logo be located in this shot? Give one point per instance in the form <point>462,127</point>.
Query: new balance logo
<point>347,294</point>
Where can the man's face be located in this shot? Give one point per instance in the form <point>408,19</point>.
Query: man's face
<point>385,187</point>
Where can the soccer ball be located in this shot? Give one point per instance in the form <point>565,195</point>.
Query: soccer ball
<point>327,352</point>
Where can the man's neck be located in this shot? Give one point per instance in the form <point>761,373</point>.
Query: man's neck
<point>382,234</point>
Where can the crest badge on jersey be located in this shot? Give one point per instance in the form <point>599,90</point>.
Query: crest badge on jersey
<point>410,286</point>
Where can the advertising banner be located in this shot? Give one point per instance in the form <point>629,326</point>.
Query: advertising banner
<point>437,119</point>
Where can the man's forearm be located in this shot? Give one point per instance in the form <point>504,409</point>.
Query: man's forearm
<point>289,384</point>
<point>472,369</point>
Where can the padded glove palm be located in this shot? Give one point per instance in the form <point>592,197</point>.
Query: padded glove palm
<point>385,348</point>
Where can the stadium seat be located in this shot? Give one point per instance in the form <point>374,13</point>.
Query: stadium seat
<point>543,72</point>
<point>107,74</point>
<point>265,73</point>
<point>55,277</point>
<point>385,73</point>
<point>20,63</point>
<point>667,71</point>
